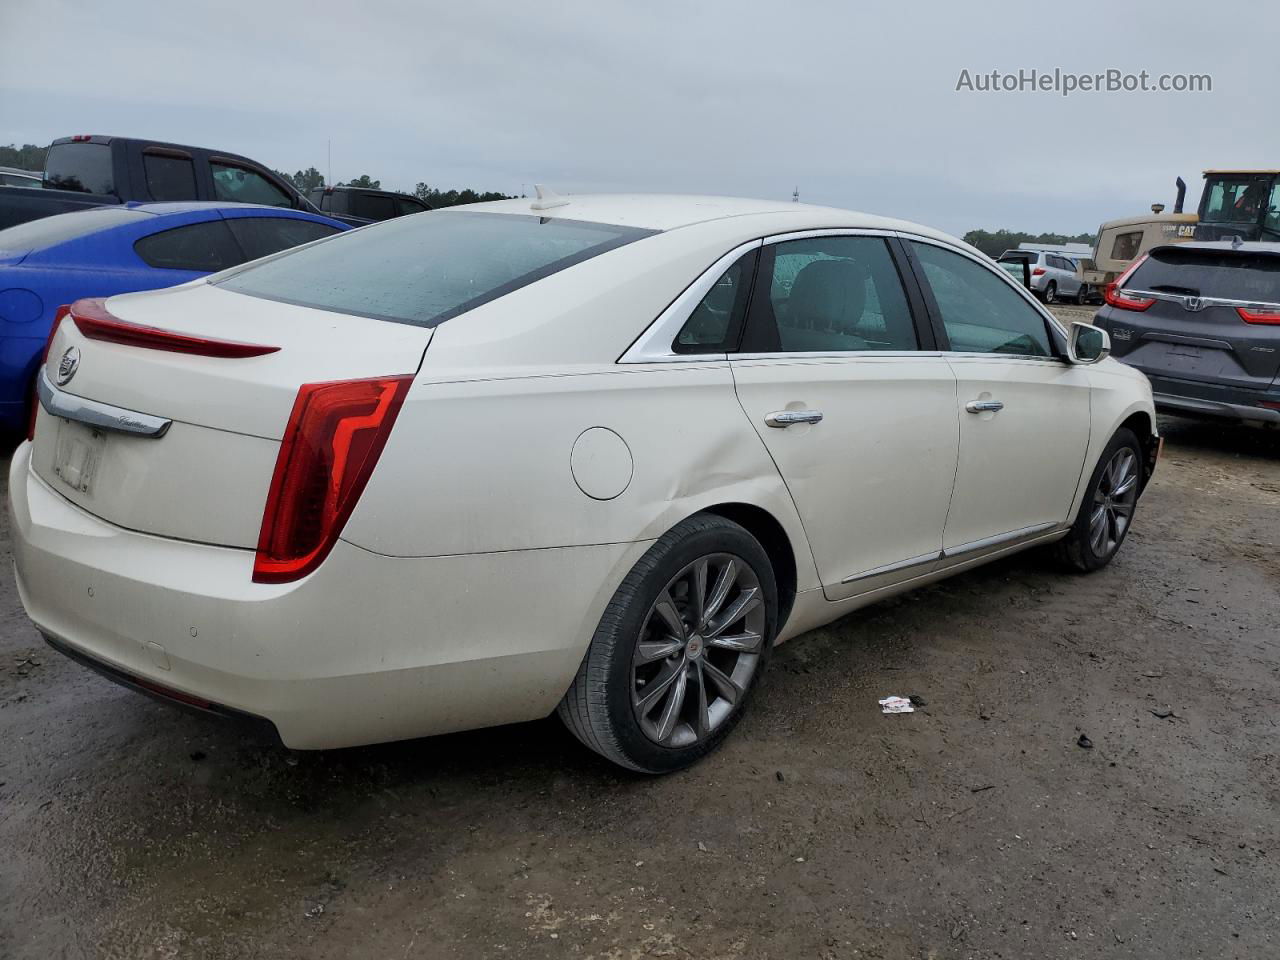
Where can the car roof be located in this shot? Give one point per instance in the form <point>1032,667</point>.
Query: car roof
<point>653,211</point>
<point>163,207</point>
<point>1246,246</point>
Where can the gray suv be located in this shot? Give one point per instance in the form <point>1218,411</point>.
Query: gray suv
<point>1202,321</point>
<point>1053,276</point>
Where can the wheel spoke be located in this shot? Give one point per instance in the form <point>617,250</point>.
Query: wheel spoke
<point>702,715</point>
<point>698,594</point>
<point>1098,529</point>
<point>723,682</point>
<point>1127,484</point>
<point>747,642</point>
<point>647,651</point>
<point>658,689</point>
<point>671,712</point>
<point>746,601</point>
<point>666,609</point>
<point>720,592</point>
<point>1124,509</point>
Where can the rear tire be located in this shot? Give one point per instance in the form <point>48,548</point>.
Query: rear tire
<point>1082,295</point>
<point>1051,292</point>
<point>670,670</point>
<point>1107,511</point>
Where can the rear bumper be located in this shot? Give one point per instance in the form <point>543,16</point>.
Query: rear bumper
<point>1198,399</point>
<point>367,649</point>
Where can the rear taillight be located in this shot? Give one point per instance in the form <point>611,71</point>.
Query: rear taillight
<point>1038,272</point>
<point>335,434</point>
<point>44,358</point>
<point>98,323</point>
<point>1115,295</point>
<point>1259,316</point>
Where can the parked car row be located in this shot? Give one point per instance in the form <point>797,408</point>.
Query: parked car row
<point>590,455</point>
<point>90,171</point>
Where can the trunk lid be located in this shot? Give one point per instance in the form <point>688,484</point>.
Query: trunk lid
<point>206,477</point>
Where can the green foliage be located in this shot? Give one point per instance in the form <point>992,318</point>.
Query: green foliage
<point>363,181</point>
<point>304,181</point>
<point>434,197</point>
<point>994,244</point>
<point>26,157</point>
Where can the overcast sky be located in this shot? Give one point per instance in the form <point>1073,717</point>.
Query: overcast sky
<point>854,104</point>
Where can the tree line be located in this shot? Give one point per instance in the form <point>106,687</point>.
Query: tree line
<point>311,178</point>
<point>995,243</point>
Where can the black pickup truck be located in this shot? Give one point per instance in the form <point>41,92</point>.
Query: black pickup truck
<point>90,171</point>
<point>364,203</point>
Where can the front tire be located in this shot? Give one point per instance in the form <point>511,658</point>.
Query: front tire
<point>679,649</point>
<point>1106,514</point>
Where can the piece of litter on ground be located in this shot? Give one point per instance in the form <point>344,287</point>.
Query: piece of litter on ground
<point>917,701</point>
<point>896,705</point>
<point>702,846</point>
<point>1084,742</point>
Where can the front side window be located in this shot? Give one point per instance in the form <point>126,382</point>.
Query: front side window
<point>715,322</point>
<point>981,313</point>
<point>1234,200</point>
<point>169,177</point>
<point>242,185</point>
<point>263,236</point>
<point>425,270</point>
<point>405,206</point>
<point>829,294</point>
<point>205,247</point>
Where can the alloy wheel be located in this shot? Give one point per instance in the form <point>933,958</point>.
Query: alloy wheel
<point>698,649</point>
<point>1113,502</point>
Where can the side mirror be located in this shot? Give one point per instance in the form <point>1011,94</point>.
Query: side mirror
<point>1088,344</point>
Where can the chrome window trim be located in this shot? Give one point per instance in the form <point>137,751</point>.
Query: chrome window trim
<point>828,232</point>
<point>838,355</point>
<point>93,413</point>
<point>654,344</point>
<point>990,267</point>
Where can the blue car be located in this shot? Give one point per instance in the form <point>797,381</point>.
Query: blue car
<point>119,249</point>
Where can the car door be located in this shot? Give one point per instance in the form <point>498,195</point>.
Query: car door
<point>1023,410</point>
<point>838,373</point>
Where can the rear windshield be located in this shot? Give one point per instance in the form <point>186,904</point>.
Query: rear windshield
<point>80,166</point>
<point>50,231</point>
<point>1210,273</point>
<point>424,270</point>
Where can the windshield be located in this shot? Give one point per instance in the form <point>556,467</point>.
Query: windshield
<point>85,167</point>
<point>50,231</point>
<point>1236,199</point>
<point>423,270</point>
<point>1224,274</point>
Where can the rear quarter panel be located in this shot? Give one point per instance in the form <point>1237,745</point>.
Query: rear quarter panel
<point>488,465</point>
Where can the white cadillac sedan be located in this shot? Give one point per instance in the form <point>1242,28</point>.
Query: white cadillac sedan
<point>595,456</point>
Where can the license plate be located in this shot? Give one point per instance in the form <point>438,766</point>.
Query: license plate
<point>78,454</point>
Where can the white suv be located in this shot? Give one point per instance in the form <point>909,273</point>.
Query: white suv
<point>1053,276</point>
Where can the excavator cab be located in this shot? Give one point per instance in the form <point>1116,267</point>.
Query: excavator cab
<point>1240,203</point>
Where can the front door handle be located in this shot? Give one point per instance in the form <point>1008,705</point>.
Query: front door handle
<point>785,418</point>
<point>984,406</point>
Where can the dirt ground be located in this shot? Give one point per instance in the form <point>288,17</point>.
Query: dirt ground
<point>975,827</point>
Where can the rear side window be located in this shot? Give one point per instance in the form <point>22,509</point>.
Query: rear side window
<point>242,185</point>
<point>981,313</point>
<point>829,295</point>
<point>372,206</point>
<point>206,247</point>
<point>1210,273</point>
<point>169,177</point>
<point>263,236</point>
<point>715,322</point>
<point>424,270</point>
<point>85,167</point>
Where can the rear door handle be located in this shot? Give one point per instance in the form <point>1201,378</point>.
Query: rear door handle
<point>785,418</point>
<point>984,406</point>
